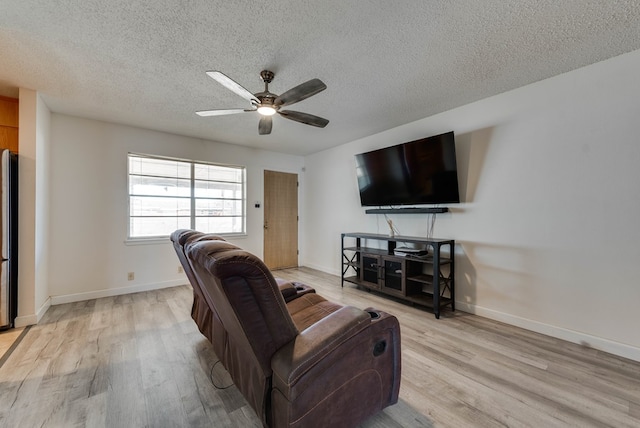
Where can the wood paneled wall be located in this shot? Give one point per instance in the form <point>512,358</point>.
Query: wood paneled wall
<point>9,124</point>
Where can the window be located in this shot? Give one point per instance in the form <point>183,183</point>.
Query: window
<point>169,194</point>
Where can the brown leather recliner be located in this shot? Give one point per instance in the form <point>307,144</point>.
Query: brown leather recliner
<point>303,363</point>
<point>202,312</point>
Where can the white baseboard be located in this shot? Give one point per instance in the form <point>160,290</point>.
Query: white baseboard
<point>43,309</point>
<point>26,320</point>
<point>606,345</point>
<point>322,269</point>
<point>109,292</point>
<point>601,344</point>
<point>23,321</point>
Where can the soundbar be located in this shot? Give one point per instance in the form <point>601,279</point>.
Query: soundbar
<point>410,210</point>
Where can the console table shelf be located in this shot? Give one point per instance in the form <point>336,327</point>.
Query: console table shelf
<point>427,281</point>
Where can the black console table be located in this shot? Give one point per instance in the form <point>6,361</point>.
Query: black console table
<point>426,280</point>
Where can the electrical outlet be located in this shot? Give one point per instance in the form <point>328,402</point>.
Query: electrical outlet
<point>131,276</point>
<point>180,269</point>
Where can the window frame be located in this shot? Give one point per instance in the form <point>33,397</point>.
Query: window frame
<point>192,197</point>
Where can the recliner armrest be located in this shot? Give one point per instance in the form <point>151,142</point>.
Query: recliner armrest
<point>315,342</point>
<point>346,356</point>
<point>287,289</point>
<point>292,290</point>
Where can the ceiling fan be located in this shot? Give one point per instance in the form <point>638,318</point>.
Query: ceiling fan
<point>267,104</point>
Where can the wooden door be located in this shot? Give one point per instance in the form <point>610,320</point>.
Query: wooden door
<point>280,220</point>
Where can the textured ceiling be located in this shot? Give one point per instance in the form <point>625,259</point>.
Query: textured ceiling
<point>385,63</point>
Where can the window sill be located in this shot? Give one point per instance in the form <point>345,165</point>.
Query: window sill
<point>147,241</point>
<point>167,240</point>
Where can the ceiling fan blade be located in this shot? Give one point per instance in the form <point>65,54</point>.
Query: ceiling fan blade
<point>265,125</point>
<point>232,85</point>
<point>300,92</point>
<point>306,118</point>
<point>222,112</point>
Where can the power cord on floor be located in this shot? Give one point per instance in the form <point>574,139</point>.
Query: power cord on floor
<point>213,382</point>
<point>431,222</point>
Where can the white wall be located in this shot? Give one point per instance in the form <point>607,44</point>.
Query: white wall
<point>33,200</point>
<point>42,216</point>
<point>548,236</point>
<point>26,208</point>
<point>88,254</point>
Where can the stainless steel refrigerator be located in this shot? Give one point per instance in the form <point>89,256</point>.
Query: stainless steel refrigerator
<point>8,238</point>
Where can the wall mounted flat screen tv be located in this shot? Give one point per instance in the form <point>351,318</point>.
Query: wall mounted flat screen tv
<point>419,172</point>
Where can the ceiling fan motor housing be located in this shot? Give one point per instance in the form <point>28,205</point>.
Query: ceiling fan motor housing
<point>266,98</point>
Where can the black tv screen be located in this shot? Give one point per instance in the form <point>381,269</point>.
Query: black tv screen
<point>415,173</point>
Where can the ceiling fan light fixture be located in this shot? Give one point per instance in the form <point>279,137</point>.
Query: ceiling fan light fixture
<point>266,110</point>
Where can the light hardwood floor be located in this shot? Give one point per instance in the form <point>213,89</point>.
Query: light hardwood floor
<point>8,338</point>
<point>138,361</point>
